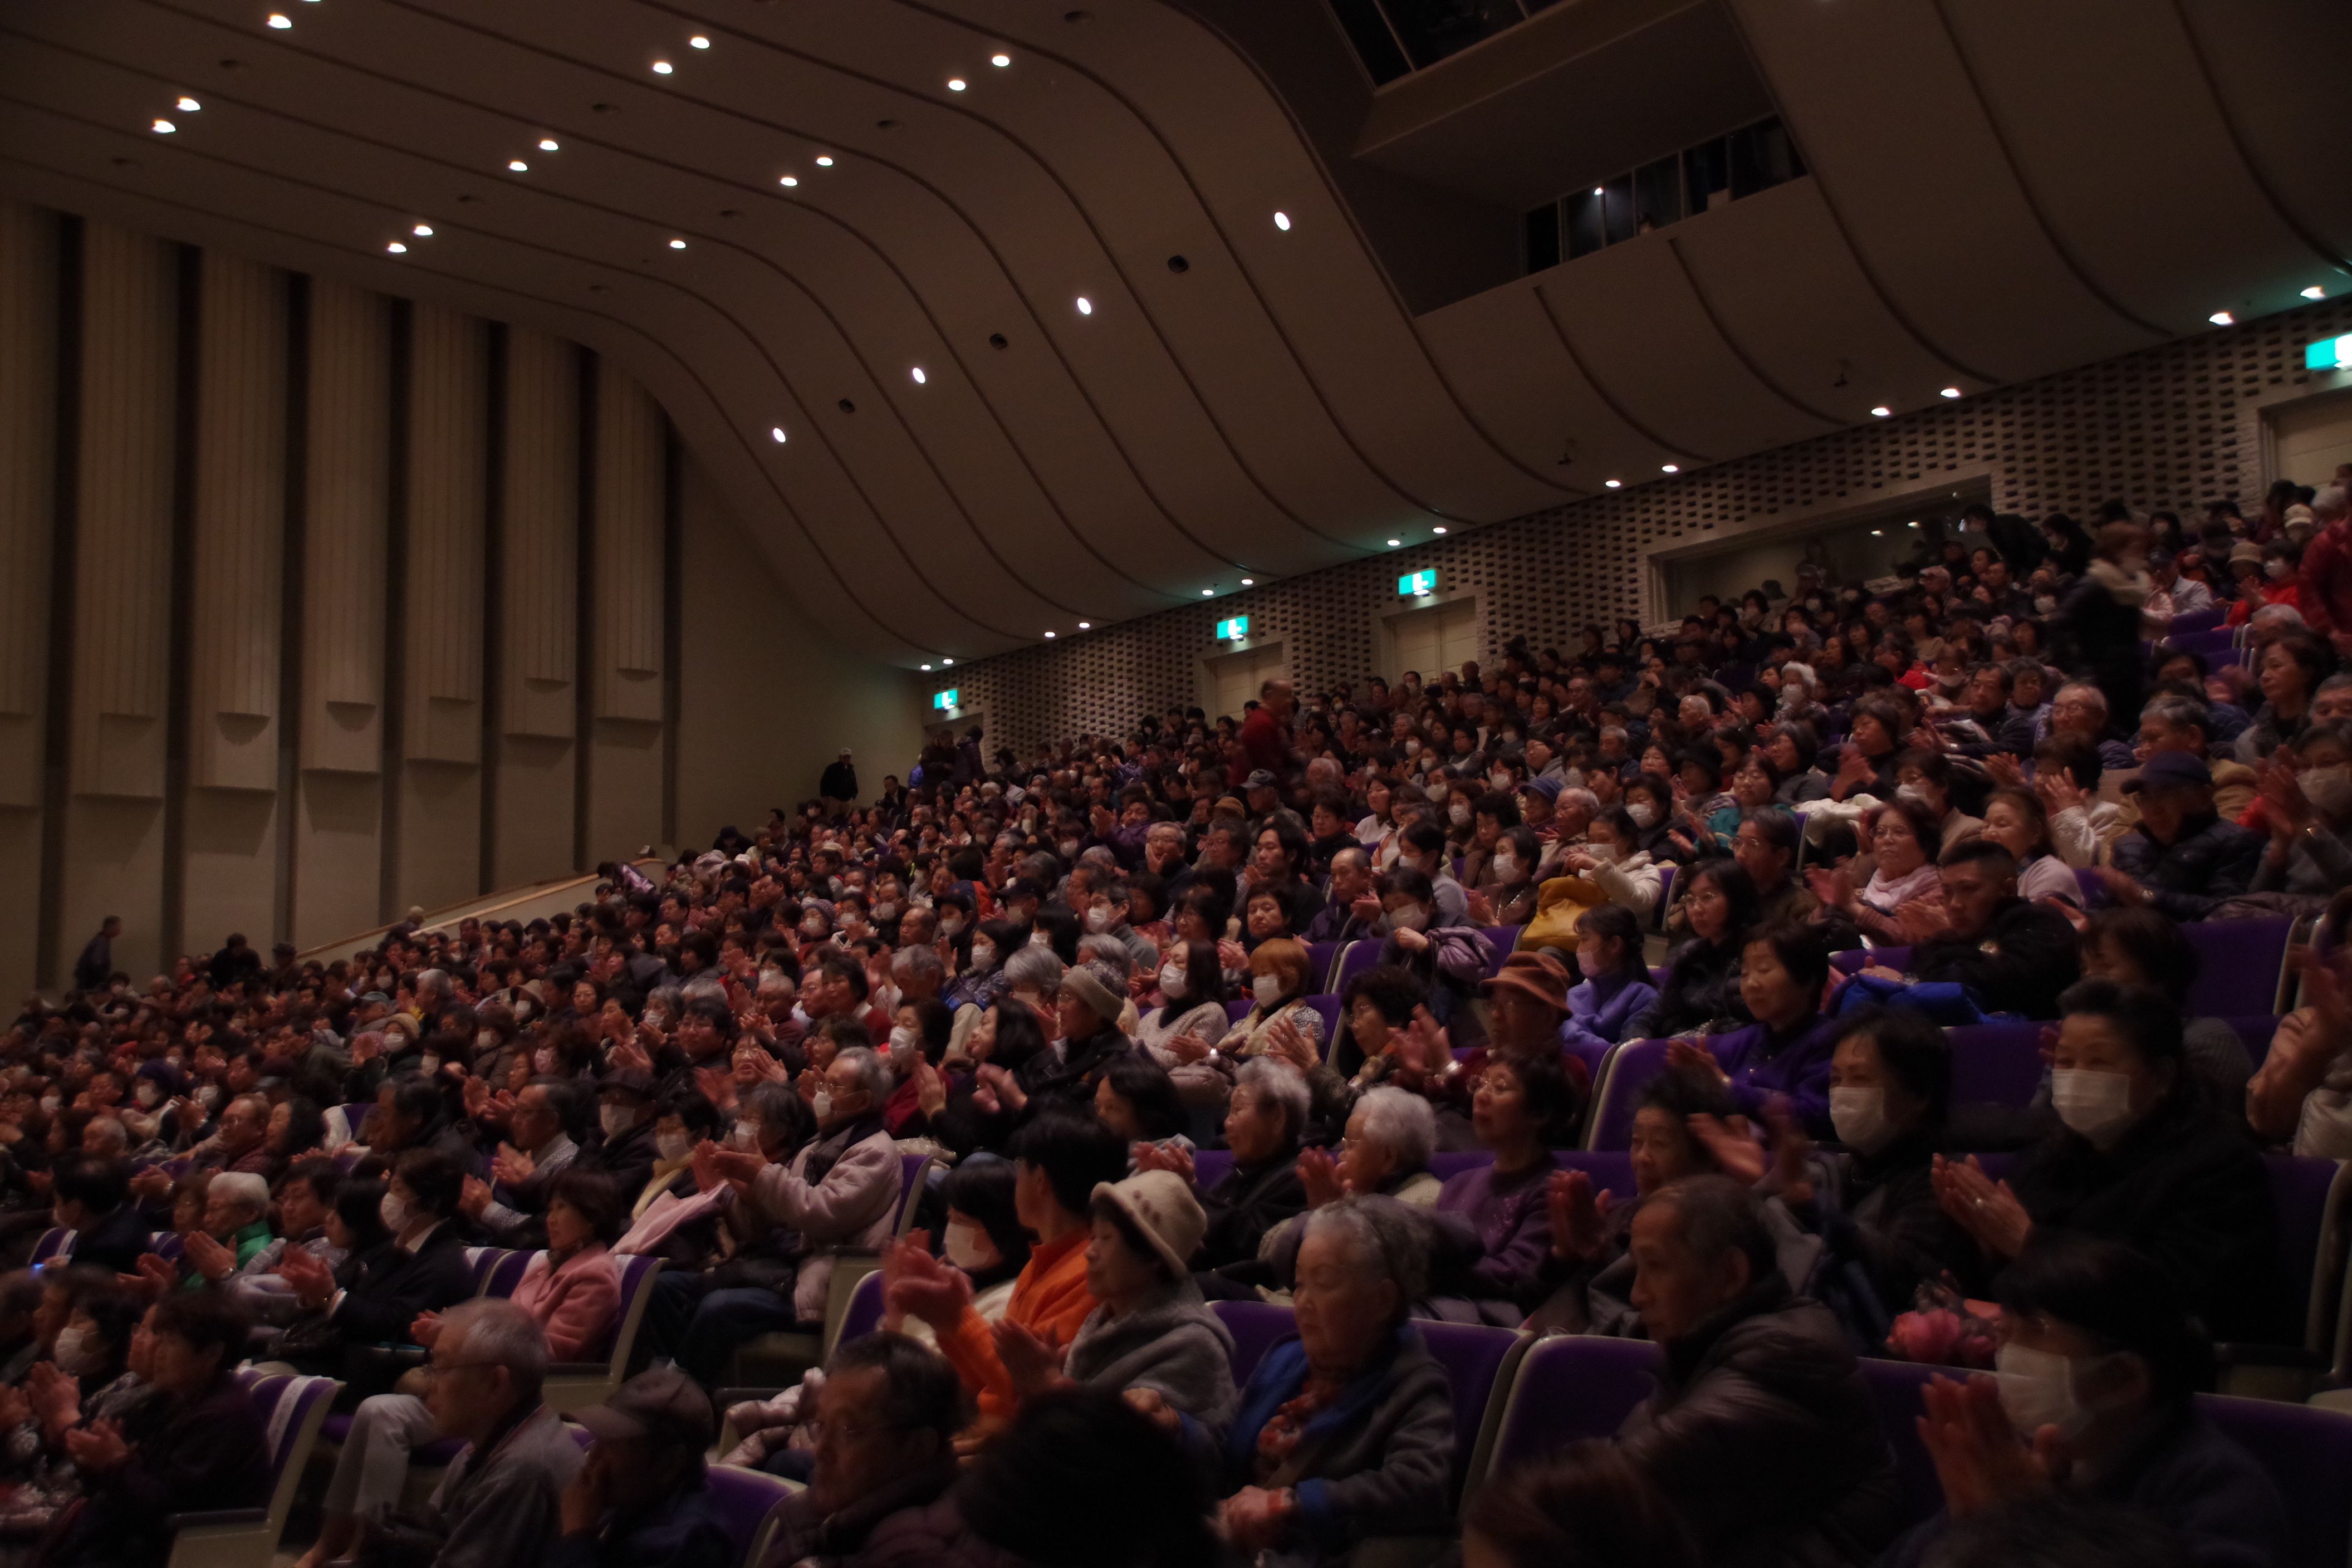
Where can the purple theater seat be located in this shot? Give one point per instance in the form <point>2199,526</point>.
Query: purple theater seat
<point>1895,1388</point>
<point>52,1244</point>
<point>1852,961</point>
<point>864,1313</point>
<point>1257,1327</point>
<point>2257,1031</point>
<point>2194,622</point>
<point>911,1168</point>
<point>1594,1057</point>
<point>505,1273</point>
<point>1665,898</point>
<point>2094,891</point>
<point>1211,1166</point>
<point>1631,1067</point>
<point>1327,1009</point>
<point>1321,958</point>
<point>1445,1166</point>
<point>2300,1188</point>
<point>2238,965</point>
<point>165,1245</point>
<point>1571,1387</point>
<point>1359,956</point>
<point>1239,1008</point>
<point>746,1502</point>
<point>1503,940</point>
<point>480,1261</point>
<point>1995,1064</point>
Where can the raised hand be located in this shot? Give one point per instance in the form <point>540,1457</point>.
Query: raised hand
<point>1579,1217</point>
<point>930,1291</point>
<point>473,1197</point>
<point>512,1166</point>
<point>1738,1154</point>
<point>1291,1043</point>
<point>98,1447</point>
<point>1320,1175</point>
<point>1034,1365</point>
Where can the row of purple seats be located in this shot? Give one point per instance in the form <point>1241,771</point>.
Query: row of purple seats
<point>291,1410</point>
<point>2239,964</point>
<point>55,1245</point>
<point>1570,1388</point>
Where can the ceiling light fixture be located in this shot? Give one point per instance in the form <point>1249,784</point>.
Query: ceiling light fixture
<point>397,248</point>
<point>824,163</point>
<point>1282,222</point>
<point>926,666</point>
<point>1000,61</point>
<point>1208,592</point>
<point>945,660</point>
<point>189,105</point>
<point>698,42</point>
<point>956,84</point>
<point>547,144</point>
<point>1086,306</point>
<point>1598,191</point>
<point>1881,412</point>
<point>1394,542</point>
<point>1439,529</point>
<point>1612,484</point>
<point>1877,533</point>
<point>163,128</point>
<point>1049,634</point>
<point>2222,318</point>
<point>1949,392</point>
<point>918,376</point>
<point>1912,524</point>
<point>2314,292</point>
<point>280,20</point>
<point>1670,467</point>
<point>677,244</point>
<point>778,432</point>
<point>1086,625</point>
<point>423,231</point>
<point>518,165</point>
<point>787,180</point>
<point>1249,581</point>
<point>663,68</point>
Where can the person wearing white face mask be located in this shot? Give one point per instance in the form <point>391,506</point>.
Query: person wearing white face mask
<point>1279,1020</point>
<point>624,1146</point>
<point>2142,1158</point>
<point>1191,1017</point>
<point>2310,814</point>
<point>2095,1398</point>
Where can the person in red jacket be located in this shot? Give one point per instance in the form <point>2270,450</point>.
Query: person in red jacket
<point>1265,733</point>
<point>2325,598</point>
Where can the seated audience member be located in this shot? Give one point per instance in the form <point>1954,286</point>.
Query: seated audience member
<point>1766,844</point>
<point>2142,948</point>
<point>1762,1434</point>
<point>2017,821</point>
<point>2308,807</point>
<point>2100,1363</point>
<point>418,1266</point>
<point>1446,960</point>
<point>1512,892</point>
<point>2303,1095</point>
<point>1380,1010</point>
<point>841,1191</point>
<point>642,1498</point>
<point>1587,1506</point>
<point>2142,1158</point>
<point>1136,1099</point>
<point>197,1445</point>
<point>1279,976</point>
<point>1903,902</point>
<point>1391,1135</point>
<point>21,1343</point>
<point>1058,1159</point>
<point>235,1228</point>
<point>628,1113</point>
<point>1590,1270</point>
<point>683,1121</point>
<point>91,1199</point>
<point>1522,1108</point>
<point>1088,1005</point>
<point>1700,991</point>
<point>1266,1122</point>
<point>1623,875</point>
<point>304,1206</point>
<point>2183,858</point>
<point>1083,1480</point>
<point>1346,1431</point>
<point>100,1372</point>
<point>1786,1051</point>
<point>886,1419</point>
<point>1187,1010</point>
<point>499,1502</point>
<point>2010,954</point>
<point>1616,986</point>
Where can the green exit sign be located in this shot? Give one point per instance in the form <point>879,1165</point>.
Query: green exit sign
<point>1417,585</point>
<point>946,701</point>
<point>2328,353</point>
<point>1233,629</point>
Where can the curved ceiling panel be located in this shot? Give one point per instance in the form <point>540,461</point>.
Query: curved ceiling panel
<point>1979,207</point>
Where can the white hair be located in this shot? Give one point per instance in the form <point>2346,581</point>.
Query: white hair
<point>1034,968</point>
<point>242,1188</point>
<point>910,962</point>
<point>1381,1233</point>
<point>1402,1124</point>
<point>2331,502</point>
<point>496,1332</point>
<point>1281,1084</point>
<point>873,1073</point>
<point>2096,697</point>
<point>2276,616</point>
<point>433,983</point>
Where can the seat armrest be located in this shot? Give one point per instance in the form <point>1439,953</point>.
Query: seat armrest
<point>217,1518</point>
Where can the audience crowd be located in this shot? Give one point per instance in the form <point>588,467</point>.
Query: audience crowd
<point>1097,986</point>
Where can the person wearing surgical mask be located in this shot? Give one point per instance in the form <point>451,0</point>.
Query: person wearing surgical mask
<point>2139,1157</point>
<point>2307,801</point>
<point>623,1147</point>
<point>2093,1397</point>
<point>1279,1019</point>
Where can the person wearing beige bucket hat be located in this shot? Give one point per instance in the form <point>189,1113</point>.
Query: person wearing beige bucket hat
<point>1150,1336</point>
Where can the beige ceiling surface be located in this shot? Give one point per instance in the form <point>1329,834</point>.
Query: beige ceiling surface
<point>1997,191</point>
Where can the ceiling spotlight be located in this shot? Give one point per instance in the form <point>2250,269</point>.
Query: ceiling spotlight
<point>1000,61</point>
<point>1949,392</point>
<point>1208,592</point>
<point>778,432</point>
<point>1912,524</point>
<point>824,163</point>
<point>1881,412</point>
<point>919,378</point>
<point>1394,542</point>
<point>1877,533</point>
<point>189,105</point>
<point>788,180</point>
<point>1670,467</point>
<point>1282,222</point>
<point>2314,292</point>
<point>2222,318</point>
<point>164,127</point>
<point>663,68</point>
<point>677,244</point>
<point>1086,625</point>
<point>698,42</point>
<point>926,666</point>
<point>1086,306</point>
<point>547,143</point>
<point>1049,634</point>
<point>946,660</point>
<point>1613,484</point>
<point>1249,581</point>
<point>397,248</point>
<point>1439,529</point>
<point>1598,191</point>
<point>423,231</point>
<point>956,84</point>
<point>280,20</point>
<point>518,165</point>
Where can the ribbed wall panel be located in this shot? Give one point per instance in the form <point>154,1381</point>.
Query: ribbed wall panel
<point>347,478</point>
<point>541,501</point>
<point>447,415</point>
<point>28,438</point>
<point>629,505</point>
<point>236,567</point>
<point>122,591</point>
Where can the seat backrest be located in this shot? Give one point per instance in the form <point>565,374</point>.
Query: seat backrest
<point>1323,963</point>
<point>2308,1196</point>
<point>165,1244</point>
<point>1478,1361</point>
<point>1665,898</point>
<point>747,1503</point>
<point>1592,1056</point>
<point>2306,1452</point>
<point>1327,1009</point>
<point>506,1272</point>
<point>1501,940</point>
<point>1631,1067</point>
<point>2256,1030</point>
<point>479,1260</point>
<point>1354,959</point>
<point>1570,1388</point>
<point>1257,1327</point>
<point>2094,891</point>
<point>54,1244</point>
<point>1449,1163</point>
<point>1211,1166</point>
<point>637,1273</point>
<point>864,1313</point>
<point>1852,961</point>
<point>1995,1064</point>
<point>291,1410</point>
<point>2238,965</point>
<point>914,1170</point>
<point>1895,1388</point>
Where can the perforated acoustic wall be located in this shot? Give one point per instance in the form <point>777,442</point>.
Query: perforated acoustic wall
<point>2171,427</point>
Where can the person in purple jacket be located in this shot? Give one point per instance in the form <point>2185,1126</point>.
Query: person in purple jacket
<point>1787,1050</point>
<point>1616,984</point>
<point>1523,1107</point>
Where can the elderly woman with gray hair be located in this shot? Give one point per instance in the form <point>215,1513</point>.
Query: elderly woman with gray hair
<point>1346,1431</point>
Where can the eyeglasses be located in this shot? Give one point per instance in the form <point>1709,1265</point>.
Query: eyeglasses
<point>848,1431</point>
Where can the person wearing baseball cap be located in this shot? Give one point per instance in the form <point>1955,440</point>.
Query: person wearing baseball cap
<point>1152,1335</point>
<point>2183,858</point>
<point>640,1499</point>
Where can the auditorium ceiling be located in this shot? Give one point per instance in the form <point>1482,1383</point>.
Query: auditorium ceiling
<point>1065,314</point>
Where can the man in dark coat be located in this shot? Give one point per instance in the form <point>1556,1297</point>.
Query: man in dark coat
<point>2014,956</point>
<point>2182,857</point>
<point>839,782</point>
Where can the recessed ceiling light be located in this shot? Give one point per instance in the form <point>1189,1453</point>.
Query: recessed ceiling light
<point>1086,306</point>
<point>1881,412</point>
<point>1439,529</point>
<point>1049,634</point>
<point>778,432</point>
<point>918,376</point>
<point>1949,392</point>
<point>518,165</point>
<point>1282,222</point>
<point>2222,318</point>
<point>926,666</point>
<point>189,105</point>
<point>1912,524</point>
<point>1086,625</point>
<point>397,248</point>
<point>1207,593</point>
<point>956,84</point>
<point>280,20</point>
<point>947,661</point>
<point>423,231</point>
<point>824,163</point>
<point>662,68</point>
<point>698,42</point>
<point>1249,581</point>
<point>1598,191</point>
<point>1670,467</point>
<point>1000,60</point>
<point>2314,292</point>
<point>547,144</point>
<point>677,244</point>
<point>1877,533</point>
<point>1613,484</point>
<point>1394,542</point>
<point>163,128</point>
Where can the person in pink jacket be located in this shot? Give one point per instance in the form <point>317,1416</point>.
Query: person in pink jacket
<point>572,1291</point>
